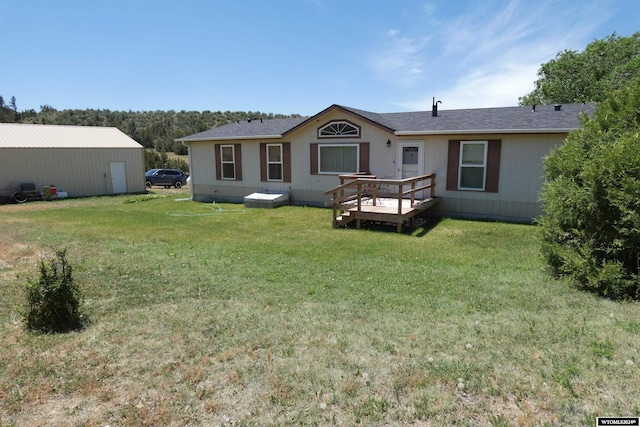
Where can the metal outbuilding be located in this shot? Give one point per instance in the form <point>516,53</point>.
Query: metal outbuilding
<point>79,160</point>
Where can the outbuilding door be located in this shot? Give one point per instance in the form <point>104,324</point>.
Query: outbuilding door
<point>410,160</point>
<point>118,177</point>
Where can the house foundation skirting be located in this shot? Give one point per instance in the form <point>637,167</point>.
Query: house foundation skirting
<point>521,212</point>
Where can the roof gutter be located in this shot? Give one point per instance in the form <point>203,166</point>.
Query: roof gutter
<point>477,131</point>
<point>227,138</point>
<point>185,141</point>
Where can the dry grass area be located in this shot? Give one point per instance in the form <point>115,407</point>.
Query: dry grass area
<point>270,317</point>
<point>17,256</point>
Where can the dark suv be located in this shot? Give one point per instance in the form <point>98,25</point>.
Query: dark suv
<point>166,177</point>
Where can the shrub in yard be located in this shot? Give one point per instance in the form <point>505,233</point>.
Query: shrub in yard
<point>591,198</point>
<point>53,301</point>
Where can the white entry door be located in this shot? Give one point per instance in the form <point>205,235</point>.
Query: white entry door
<point>118,177</point>
<point>410,160</point>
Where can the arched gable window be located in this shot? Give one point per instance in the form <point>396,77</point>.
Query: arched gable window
<point>339,129</point>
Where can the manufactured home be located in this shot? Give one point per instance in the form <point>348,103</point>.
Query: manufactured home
<point>78,161</point>
<point>480,163</point>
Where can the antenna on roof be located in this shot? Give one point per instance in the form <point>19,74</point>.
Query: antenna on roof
<point>434,107</point>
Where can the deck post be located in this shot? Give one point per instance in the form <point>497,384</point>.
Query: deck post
<point>413,192</point>
<point>335,209</point>
<point>375,195</point>
<point>433,185</point>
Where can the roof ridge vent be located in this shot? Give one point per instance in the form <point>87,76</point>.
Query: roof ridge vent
<point>557,107</point>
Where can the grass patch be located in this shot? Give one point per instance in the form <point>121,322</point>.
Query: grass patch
<point>216,315</point>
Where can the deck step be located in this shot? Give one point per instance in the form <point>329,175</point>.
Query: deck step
<point>343,219</point>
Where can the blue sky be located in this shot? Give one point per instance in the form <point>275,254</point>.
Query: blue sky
<point>290,56</point>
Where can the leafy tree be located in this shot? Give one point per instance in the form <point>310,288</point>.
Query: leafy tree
<point>14,108</point>
<point>180,149</point>
<point>154,159</point>
<point>604,66</point>
<point>8,113</point>
<point>46,108</point>
<point>591,225</point>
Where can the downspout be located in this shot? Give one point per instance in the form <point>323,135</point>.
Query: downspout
<point>190,166</point>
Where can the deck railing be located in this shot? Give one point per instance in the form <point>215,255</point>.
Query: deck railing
<point>354,188</point>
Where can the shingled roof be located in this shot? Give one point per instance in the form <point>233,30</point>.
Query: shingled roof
<point>544,119</point>
<point>247,129</point>
<point>523,119</point>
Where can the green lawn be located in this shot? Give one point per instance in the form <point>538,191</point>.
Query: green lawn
<point>204,314</point>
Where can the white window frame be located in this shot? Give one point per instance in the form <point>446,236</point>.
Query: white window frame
<point>338,123</point>
<point>228,162</point>
<point>357,165</point>
<point>462,166</point>
<point>281,163</point>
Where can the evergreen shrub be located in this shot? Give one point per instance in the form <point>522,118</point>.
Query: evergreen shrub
<point>53,301</point>
<point>591,199</point>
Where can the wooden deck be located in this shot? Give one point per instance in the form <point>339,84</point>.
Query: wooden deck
<point>362,197</point>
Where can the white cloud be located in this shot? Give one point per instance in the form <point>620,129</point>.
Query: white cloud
<point>489,59</point>
<point>401,62</point>
<point>482,88</point>
<point>430,10</point>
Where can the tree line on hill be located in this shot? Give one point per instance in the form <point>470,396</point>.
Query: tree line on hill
<point>154,130</point>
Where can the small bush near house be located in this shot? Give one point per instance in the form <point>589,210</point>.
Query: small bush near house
<point>53,301</point>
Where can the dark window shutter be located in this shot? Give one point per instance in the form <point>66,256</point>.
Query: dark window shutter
<point>493,166</point>
<point>314,158</point>
<point>218,163</point>
<point>237,148</point>
<point>286,161</point>
<point>453,159</point>
<point>364,157</point>
<point>263,161</point>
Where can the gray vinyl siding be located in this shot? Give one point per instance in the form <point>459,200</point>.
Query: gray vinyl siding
<point>521,165</point>
<point>516,199</point>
